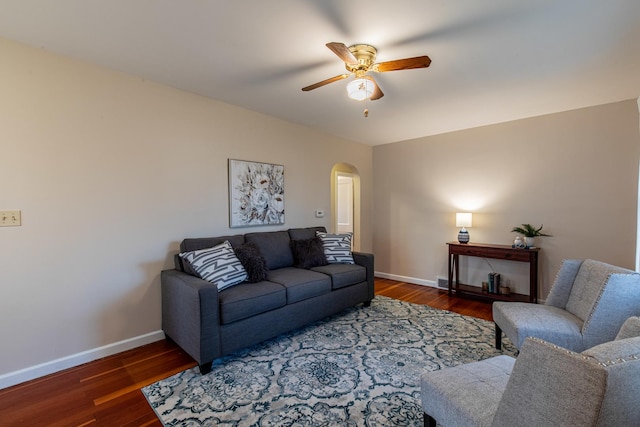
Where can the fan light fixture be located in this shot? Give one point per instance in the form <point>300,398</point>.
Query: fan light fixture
<point>360,89</point>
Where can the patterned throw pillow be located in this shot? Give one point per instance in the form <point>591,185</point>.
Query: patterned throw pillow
<point>218,265</point>
<point>337,247</point>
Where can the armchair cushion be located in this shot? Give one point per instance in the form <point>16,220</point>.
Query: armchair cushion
<point>588,285</point>
<point>520,320</point>
<point>551,386</point>
<point>561,290</point>
<point>630,328</point>
<point>467,395</point>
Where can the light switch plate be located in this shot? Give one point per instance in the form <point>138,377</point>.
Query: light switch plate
<point>11,218</point>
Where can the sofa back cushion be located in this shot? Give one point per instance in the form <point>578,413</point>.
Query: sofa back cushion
<point>305,233</point>
<point>590,280</point>
<point>274,246</point>
<point>196,244</point>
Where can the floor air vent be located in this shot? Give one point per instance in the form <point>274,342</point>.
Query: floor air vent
<point>443,282</point>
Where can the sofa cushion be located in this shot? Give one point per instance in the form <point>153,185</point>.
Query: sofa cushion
<point>337,247</point>
<point>274,246</point>
<point>249,299</point>
<point>253,262</point>
<point>218,265</point>
<point>308,253</point>
<point>300,284</point>
<point>343,275</point>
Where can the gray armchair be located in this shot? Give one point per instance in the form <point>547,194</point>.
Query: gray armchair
<point>546,385</point>
<point>586,306</point>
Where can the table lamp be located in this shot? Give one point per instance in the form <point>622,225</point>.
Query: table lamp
<point>463,219</point>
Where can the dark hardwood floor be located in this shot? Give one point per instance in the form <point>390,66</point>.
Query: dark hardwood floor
<point>106,392</point>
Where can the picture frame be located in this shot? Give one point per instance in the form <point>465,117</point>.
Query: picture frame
<point>256,193</point>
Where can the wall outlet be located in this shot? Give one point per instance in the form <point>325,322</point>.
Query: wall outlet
<point>10,218</point>
<point>319,213</point>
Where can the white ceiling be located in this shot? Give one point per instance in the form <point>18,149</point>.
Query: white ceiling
<point>493,60</point>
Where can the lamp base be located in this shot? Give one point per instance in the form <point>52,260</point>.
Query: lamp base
<point>463,236</point>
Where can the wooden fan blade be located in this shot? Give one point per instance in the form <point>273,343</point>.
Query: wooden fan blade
<point>377,92</point>
<point>325,82</point>
<point>403,64</point>
<point>343,52</point>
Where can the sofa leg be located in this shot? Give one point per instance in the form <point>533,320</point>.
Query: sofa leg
<point>205,368</point>
<point>428,420</point>
<point>498,337</point>
<point>367,303</point>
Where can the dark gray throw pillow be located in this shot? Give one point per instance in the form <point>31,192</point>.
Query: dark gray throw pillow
<point>308,253</point>
<point>253,262</point>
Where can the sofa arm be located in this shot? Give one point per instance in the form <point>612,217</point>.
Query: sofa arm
<point>366,260</point>
<point>190,315</point>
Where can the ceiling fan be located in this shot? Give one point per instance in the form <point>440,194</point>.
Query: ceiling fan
<point>359,59</point>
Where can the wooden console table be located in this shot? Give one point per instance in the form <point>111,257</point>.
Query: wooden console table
<point>502,252</point>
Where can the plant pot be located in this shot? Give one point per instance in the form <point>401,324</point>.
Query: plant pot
<point>530,241</point>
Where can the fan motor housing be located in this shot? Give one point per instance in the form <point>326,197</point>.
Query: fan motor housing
<point>366,56</point>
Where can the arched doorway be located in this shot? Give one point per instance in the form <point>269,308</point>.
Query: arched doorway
<point>345,201</point>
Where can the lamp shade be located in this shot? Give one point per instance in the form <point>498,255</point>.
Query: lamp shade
<point>360,89</point>
<point>464,219</point>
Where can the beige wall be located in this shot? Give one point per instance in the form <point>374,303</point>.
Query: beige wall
<point>575,172</point>
<point>111,172</point>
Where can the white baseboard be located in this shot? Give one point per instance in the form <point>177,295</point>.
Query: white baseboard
<point>37,371</point>
<point>415,281</point>
<point>406,279</point>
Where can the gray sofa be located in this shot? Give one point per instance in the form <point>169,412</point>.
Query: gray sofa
<point>208,323</point>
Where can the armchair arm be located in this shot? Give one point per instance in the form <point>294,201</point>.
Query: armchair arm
<point>190,314</point>
<point>561,289</point>
<point>366,260</point>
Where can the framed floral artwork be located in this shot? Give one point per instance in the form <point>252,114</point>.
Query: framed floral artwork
<point>256,193</point>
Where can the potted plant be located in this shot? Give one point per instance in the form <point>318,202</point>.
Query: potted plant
<point>530,233</point>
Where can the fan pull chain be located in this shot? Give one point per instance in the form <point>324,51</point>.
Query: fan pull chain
<point>366,110</point>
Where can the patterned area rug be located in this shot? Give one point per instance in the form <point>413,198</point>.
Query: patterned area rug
<point>358,368</point>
